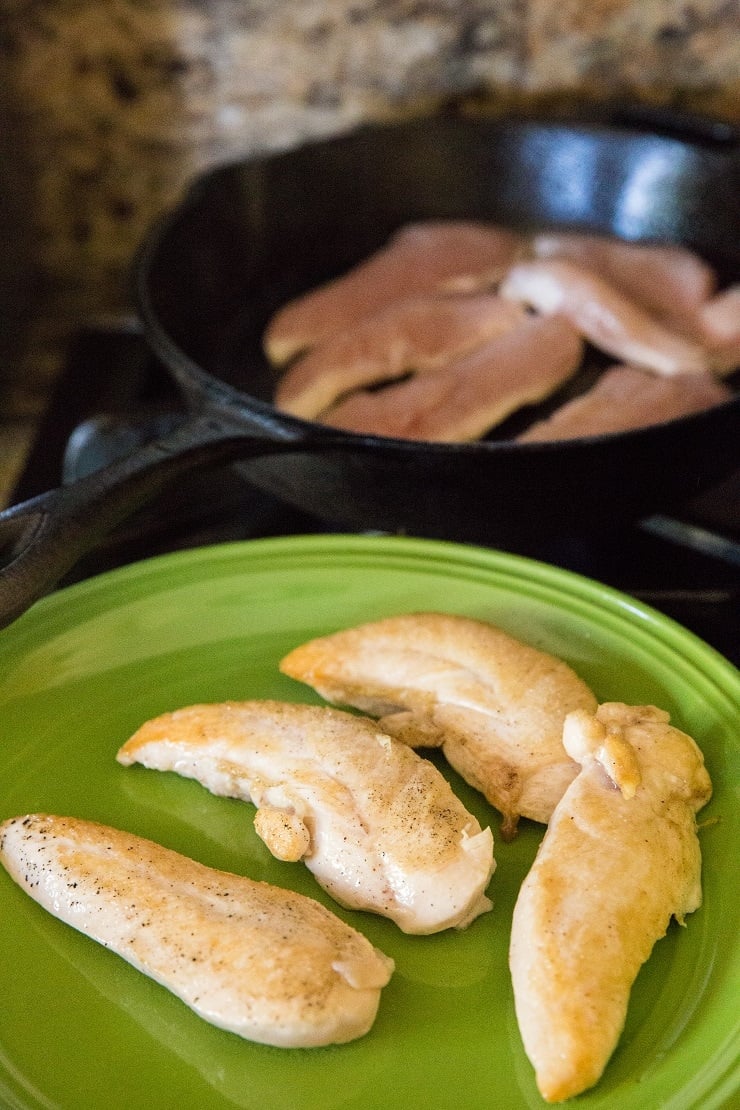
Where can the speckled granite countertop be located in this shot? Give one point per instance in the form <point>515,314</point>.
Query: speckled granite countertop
<point>108,110</point>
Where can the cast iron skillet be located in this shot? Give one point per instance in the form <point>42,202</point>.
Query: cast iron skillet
<point>248,236</point>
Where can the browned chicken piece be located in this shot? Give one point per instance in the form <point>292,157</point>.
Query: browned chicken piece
<point>414,334</point>
<point>268,964</point>
<point>604,316</point>
<point>424,257</point>
<point>494,705</point>
<point>620,858</point>
<point>473,394</point>
<point>668,281</point>
<point>626,397</point>
<point>719,326</point>
<point>379,827</point>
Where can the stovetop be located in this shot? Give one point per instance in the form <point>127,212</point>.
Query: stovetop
<point>113,395</point>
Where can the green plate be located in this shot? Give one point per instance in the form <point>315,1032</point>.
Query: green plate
<point>81,1030</point>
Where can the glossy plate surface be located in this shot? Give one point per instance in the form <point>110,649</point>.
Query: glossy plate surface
<point>81,1029</point>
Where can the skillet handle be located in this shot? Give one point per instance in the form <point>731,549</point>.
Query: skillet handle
<point>41,539</point>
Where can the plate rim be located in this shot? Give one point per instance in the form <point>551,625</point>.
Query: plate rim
<point>722,679</point>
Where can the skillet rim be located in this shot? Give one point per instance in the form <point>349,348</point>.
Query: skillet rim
<point>191,377</point>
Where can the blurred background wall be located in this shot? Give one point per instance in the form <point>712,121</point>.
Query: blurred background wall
<point>108,109</point>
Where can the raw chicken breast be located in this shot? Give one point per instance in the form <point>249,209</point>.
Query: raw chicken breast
<point>468,397</point>
<point>266,963</point>
<point>433,255</point>
<point>619,859</point>
<point>719,327</point>
<point>721,315</point>
<point>413,334</point>
<point>494,705</point>
<point>626,397</point>
<point>667,280</point>
<point>604,316</point>
<point>379,827</point>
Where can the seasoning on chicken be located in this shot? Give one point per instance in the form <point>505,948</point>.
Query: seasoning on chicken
<point>626,397</point>
<point>268,964</point>
<point>619,859</point>
<point>667,280</point>
<point>609,320</point>
<point>468,397</point>
<point>414,334</point>
<point>379,827</point>
<point>494,705</point>
<point>424,257</point>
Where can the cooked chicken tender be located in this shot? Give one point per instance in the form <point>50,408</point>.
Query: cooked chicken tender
<point>265,963</point>
<point>603,315</point>
<point>619,859</point>
<point>424,257</point>
<point>379,827</point>
<point>413,335</point>
<point>494,705</point>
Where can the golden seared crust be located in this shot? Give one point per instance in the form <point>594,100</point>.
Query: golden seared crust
<point>266,963</point>
<point>495,705</point>
<point>620,858</point>
<point>379,827</point>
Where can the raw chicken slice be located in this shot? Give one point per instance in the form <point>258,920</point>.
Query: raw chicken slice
<point>604,316</point>
<point>459,255</point>
<point>379,827</point>
<point>619,859</point>
<point>472,395</point>
<point>413,334</point>
<point>667,280</point>
<point>719,327</point>
<point>494,705</point>
<point>266,963</point>
<point>721,315</point>
<point>626,397</point>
